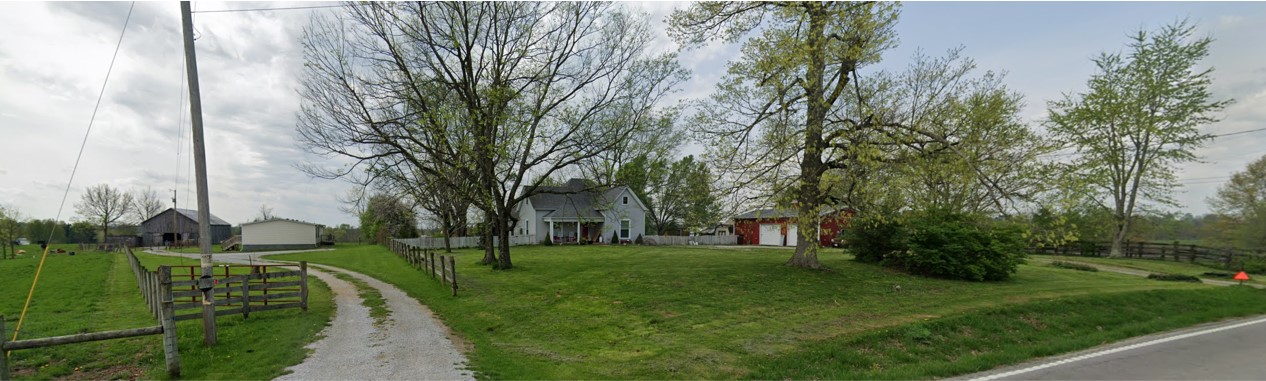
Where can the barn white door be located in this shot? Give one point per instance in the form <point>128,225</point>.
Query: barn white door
<point>770,235</point>
<point>792,235</point>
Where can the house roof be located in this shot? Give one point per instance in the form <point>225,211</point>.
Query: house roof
<point>280,219</point>
<point>779,213</point>
<point>191,214</point>
<point>575,199</point>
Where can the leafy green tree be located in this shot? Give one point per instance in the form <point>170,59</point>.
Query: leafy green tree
<point>794,122</point>
<point>45,230</point>
<point>81,232</point>
<point>10,224</point>
<point>1139,118</point>
<point>1243,200</point>
<point>386,217</point>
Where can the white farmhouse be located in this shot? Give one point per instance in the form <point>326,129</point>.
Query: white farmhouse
<point>280,234</point>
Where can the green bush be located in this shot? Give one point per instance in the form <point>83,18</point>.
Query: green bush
<point>870,238</point>
<point>946,244</point>
<point>1251,265</point>
<point>547,242</point>
<point>615,238</point>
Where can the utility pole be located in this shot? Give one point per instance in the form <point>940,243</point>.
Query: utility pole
<point>200,170</point>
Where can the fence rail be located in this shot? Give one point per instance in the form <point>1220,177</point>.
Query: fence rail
<point>442,267</point>
<point>155,288</point>
<point>690,240</point>
<point>460,242</point>
<point>1220,257</point>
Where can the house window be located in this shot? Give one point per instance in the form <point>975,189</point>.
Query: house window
<point>626,200</point>
<point>624,229</point>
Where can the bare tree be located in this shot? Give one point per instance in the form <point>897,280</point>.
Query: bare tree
<point>503,94</point>
<point>145,204</point>
<point>265,213</point>
<point>104,205</point>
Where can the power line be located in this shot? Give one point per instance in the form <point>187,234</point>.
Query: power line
<point>66,193</point>
<point>269,9</point>
<point>1238,132</point>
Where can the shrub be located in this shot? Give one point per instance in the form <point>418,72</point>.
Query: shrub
<point>547,242</point>
<point>1174,277</point>
<point>871,238</point>
<point>953,245</point>
<point>1074,266</point>
<point>638,240</point>
<point>615,238</point>
<point>1251,265</point>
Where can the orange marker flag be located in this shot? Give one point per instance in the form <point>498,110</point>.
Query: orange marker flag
<point>1241,277</point>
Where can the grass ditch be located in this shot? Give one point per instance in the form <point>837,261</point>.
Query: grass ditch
<point>1157,266</point>
<point>94,291</point>
<point>637,312</point>
<point>985,339</point>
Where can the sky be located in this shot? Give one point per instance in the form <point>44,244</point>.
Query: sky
<point>54,57</point>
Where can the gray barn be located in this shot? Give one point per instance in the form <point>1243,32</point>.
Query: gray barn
<point>180,224</point>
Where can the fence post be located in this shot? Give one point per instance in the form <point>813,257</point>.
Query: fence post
<point>171,351</point>
<point>246,294</point>
<point>431,260</point>
<point>452,267</point>
<point>303,285</point>
<point>1191,256</point>
<point>4,355</point>
<point>442,269</point>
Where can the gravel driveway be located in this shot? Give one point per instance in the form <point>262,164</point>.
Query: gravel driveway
<point>410,345</point>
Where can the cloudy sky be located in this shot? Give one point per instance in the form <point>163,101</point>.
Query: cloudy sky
<point>53,59</point>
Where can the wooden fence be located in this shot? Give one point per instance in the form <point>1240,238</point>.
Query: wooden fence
<point>1221,257</point>
<point>440,267</point>
<point>460,242</point>
<point>156,289</point>
<point>690,240</point>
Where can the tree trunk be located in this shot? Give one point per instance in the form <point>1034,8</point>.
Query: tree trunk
<point>811,165</point>
<point>1118,237</point>
<point>448,233</point>
<point>490,254</point>
<point>503,236</point>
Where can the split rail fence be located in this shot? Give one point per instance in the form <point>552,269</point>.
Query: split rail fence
<point>442,267</point>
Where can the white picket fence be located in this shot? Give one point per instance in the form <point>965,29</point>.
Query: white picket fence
<point>458,242</point>
<point>662,240</point>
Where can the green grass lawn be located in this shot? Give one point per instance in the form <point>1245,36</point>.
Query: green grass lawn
<point>92,292</point>
<point>602,312</point>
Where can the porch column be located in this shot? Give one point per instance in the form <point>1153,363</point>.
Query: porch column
<point>577,231</point>
<point>551,231</point>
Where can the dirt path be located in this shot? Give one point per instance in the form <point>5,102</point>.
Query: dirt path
<point>410,345</point>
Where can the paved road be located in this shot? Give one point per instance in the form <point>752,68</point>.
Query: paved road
<point>1231,350</point>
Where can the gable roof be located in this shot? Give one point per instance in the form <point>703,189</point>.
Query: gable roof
<point>780,213</point>
<point>190,214</point>
<point>281,220</point>
<point>576,199</point>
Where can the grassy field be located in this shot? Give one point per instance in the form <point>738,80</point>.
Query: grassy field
<point>600,312</point>
<point>92,292</point>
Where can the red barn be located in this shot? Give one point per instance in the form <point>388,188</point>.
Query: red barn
<point>777,227</point>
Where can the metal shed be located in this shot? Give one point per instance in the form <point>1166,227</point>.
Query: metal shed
<point>175,225</point>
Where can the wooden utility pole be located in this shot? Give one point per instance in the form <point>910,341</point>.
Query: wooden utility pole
<point>200,171</point>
